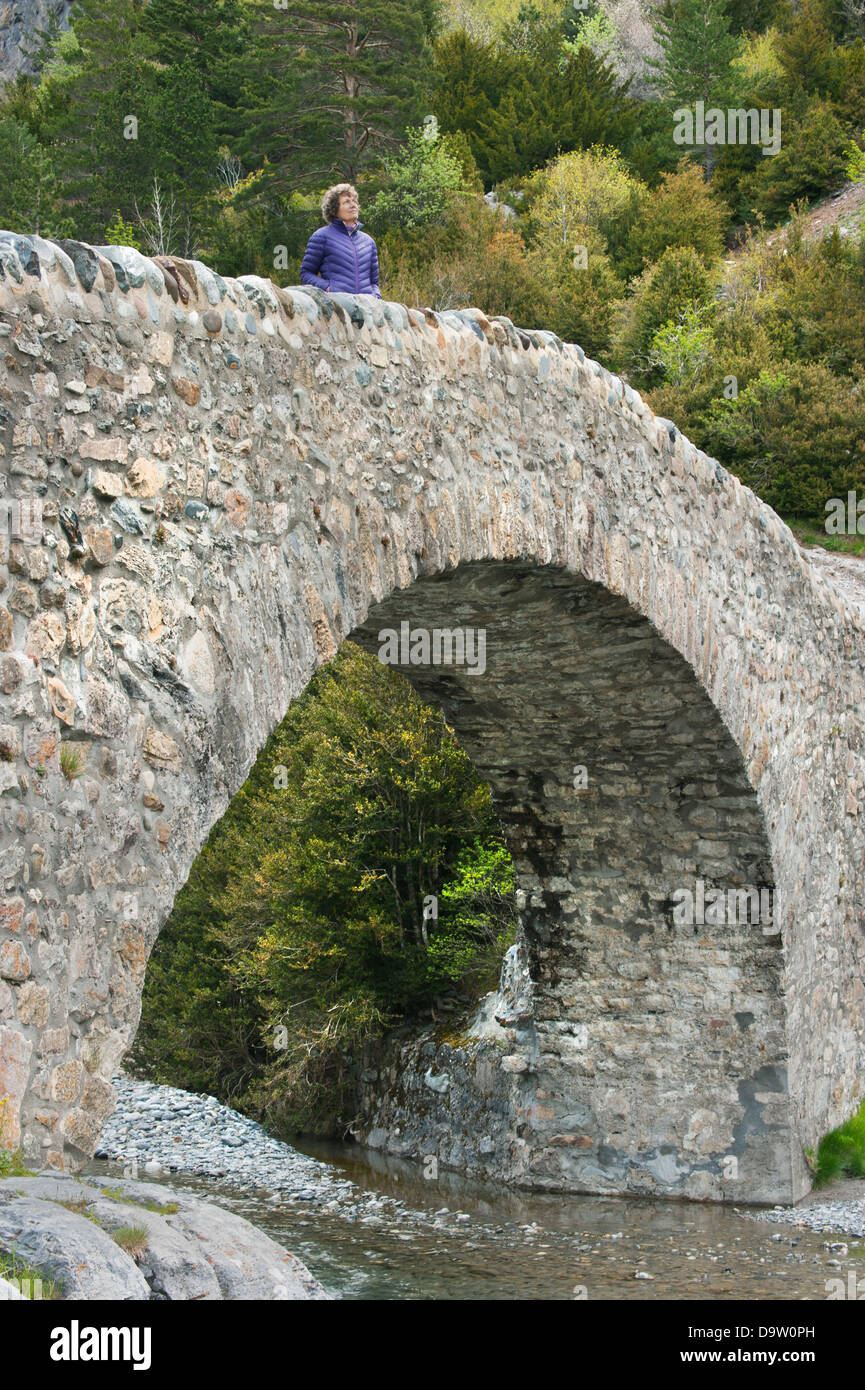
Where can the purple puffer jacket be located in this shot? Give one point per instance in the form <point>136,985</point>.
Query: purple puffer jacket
<point>337,259</point>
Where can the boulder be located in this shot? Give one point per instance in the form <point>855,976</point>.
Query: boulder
<point>62,1227</point>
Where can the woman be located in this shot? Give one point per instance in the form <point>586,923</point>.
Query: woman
<point>340,256</point>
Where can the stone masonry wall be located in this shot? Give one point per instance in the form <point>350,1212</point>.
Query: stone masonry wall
<point>261,473</point>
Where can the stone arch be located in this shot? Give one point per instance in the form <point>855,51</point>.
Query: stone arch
<point>254,471</point>
<point>654,1054</point>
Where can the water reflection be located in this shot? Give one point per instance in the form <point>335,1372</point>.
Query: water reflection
<point>396,1235</point>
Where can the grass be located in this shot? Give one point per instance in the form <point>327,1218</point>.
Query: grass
<point>132,1239</point>
<point>161,1208</point>
<point>842,1153</point>
<point>29,1279</point>
<point>79,1207</point>
<point>11,1164</point>
<point>72,762</point>
<point>808,533</point>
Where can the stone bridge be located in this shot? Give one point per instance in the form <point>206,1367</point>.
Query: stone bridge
<point>260,474</point>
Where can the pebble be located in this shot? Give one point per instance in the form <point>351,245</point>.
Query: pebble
<point>218,1142</point>
<point>845,1216</point>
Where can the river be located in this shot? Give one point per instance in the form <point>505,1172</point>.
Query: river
<point>388,1233</point>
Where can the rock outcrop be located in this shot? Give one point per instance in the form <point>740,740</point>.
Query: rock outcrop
<point>107,1239</point>
<point>20,22</point>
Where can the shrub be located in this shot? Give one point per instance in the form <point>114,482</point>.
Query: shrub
<point>842,1153</point>
<point>679,281</point>
<point>796,435</point>
<point>812,161</point>
<point>682,211</point>
<point>421,182</point>
<point>587,188</point>
<point>576,295</point>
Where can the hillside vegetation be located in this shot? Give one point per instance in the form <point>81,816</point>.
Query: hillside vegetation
<point>211,127</point>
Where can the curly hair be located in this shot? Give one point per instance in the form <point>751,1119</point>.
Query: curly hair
<point>330,201</point>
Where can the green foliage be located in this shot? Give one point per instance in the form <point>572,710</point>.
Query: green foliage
<point>474,257</point>
<point>122,233</point>
<point>210,36</point>
<point>842,1153</point>
<point>779,400</point>
<point>28,186</point>
<point>849,104</point>
<point>698,54</point>
<point>577,295</point>
<point>421,183</point>
<point>796,435</point>
<point>519,110</point>
<point>585,189</point>
<point>303,920</point>
<point>682,211</point>
<point>804,47</point>
<point>475,925</point>
<point>680,281</point>
<point>333,88</point>
<point>682,349</point>
<point>160,99</point>
<point>812,160</point>
<point>856,161</point>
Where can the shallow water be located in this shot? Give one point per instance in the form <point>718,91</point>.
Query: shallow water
<point>391,1239</point>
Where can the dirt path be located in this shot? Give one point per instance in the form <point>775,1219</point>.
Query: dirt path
<point>845,572</point>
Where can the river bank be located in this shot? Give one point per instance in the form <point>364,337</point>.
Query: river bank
<point>372,1227</point>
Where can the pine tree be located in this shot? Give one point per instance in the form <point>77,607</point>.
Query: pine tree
<point>210,35</point>
<point>140,109</point>
<point>698,53</point>
<point>805,48</point>
<point>104,31</point>
<point>335,86</point>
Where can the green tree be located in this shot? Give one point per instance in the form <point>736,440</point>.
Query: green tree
<point>682,211</point>
<point>796,435</point>
<point>577,292</point>
<point>556,105</point>
<point>519,109</point>
<point>698,56</point>
<point>681,349</point>
<point>586,188</point>
<point>805,49</point>
<point>680,281</point>
<point>812,161</point>
<point>335,86</point>
<point>172,147</point>
<point>28,186</point>
<point>308,914</point>
<point>207,35</point>
<point>420,183</point>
